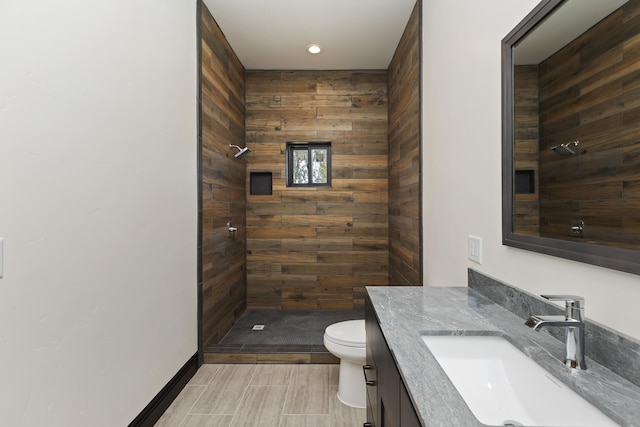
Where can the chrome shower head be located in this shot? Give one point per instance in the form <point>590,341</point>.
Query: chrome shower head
<point>564,150</point>
<point>241,151</point>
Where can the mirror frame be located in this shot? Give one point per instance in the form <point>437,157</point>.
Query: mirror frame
<point>627,260</point>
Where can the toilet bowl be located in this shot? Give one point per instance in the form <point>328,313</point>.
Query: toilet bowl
<point>347,341</point>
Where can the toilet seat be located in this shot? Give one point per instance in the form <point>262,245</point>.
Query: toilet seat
<point>350,333</point>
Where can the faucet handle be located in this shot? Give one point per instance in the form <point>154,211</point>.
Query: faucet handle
<point>569,299</point>
<point>573,305</point>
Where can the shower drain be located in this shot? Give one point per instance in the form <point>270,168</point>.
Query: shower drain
<point>258,328</point>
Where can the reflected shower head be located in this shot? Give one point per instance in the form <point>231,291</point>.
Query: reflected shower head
<point>241,151</point>
<point>564,150</point>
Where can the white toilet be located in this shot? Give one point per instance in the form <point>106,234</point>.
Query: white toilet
<point>347,341</point>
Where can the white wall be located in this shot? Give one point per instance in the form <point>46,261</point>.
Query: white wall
<point>462,169</point>
<point>98,206</point>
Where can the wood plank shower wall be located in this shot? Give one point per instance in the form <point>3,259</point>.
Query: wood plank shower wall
<point>223,182</point>
<point>405,240</point>
<point>316,248</point>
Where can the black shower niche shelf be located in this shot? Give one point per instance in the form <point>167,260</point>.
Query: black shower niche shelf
<point>261,183</point>
<point>525,182</point>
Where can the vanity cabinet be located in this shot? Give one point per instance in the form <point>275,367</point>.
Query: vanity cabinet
<point>408,416</point>
<point>388,402</point>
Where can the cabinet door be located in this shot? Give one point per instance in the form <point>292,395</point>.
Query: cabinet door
<point>371,371</point>
<point>370,418</point>
<point>371,379</point>
<point>389,391</point>
<point>387,399</point>
<point>408,416</point>
<point>388,403</point>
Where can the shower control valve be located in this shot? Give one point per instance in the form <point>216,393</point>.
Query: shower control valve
<point>577,228</point>
<point>232,230</point>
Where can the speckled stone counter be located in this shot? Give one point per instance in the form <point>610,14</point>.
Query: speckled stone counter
<point>407,313</point>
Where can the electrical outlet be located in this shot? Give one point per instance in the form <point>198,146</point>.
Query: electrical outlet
<point>474,249</point>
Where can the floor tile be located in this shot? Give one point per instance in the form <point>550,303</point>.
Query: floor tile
<point>343,415</point>
<point>272,375</point>
<point>225,390</point>
<point>269,395</point>
<point>305,421</point>
<point>308,390</point>
<point>204,375</point>
<point>207,421</point>
<point>174,415</point>
<point>335,374</point>
<point>261,406</point>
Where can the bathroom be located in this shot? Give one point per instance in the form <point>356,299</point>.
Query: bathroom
<point>114,202</point>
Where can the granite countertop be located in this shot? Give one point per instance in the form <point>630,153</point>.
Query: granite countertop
<point>407,313</point>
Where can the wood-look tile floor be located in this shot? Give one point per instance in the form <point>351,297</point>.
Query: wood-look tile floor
<point>242,395</point>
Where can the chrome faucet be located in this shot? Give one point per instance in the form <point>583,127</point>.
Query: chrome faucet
<point>572,321</point>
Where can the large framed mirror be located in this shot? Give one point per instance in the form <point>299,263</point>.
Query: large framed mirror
<point>571,132</point>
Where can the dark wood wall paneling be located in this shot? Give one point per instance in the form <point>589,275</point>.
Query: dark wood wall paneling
<point>590,91</point>
<point>316,248</point>
<point>222,119</point>
<point>405,254</point>
<point>526,135</point>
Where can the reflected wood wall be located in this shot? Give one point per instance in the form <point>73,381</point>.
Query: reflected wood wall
<point>223,182</point>
<point>405,229</point>
<point>590,91</point>
<point>525,126</point>
<point>316,248</point>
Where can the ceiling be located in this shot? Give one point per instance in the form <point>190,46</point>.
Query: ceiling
<point>274,34</point>
<point>564,25</point>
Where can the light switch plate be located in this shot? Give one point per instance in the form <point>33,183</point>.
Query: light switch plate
<point>474,249</point>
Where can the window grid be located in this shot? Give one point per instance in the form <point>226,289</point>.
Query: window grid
<point>309,164</point>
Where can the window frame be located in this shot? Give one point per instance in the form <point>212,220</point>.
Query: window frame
<point>309,146</point>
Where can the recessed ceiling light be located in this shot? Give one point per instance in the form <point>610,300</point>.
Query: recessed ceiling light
<point>314,49</point>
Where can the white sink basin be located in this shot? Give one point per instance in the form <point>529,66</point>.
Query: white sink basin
<point>502,386</point>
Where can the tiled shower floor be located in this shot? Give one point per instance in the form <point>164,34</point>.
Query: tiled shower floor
<point>289,336</point>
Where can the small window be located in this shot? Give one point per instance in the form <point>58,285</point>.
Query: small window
<point>309,164</point>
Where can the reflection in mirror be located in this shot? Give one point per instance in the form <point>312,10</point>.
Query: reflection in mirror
<point>572,129</point>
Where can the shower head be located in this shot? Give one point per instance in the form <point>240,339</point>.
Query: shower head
<point>564,150</point>
<point>241,151</point>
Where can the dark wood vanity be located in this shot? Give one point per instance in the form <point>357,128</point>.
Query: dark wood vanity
<point>388,402</point>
